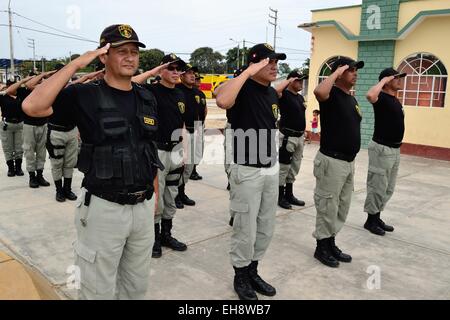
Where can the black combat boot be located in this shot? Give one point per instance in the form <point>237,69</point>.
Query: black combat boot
<point>156,251</point>
<point>242,284</point>
<point>282,202</point>
<point>183,197</point>
<point>40,179</point>
<point>373,226</point>
<point>178,203</point>
<point>289,196</point>
<point>257,283</point>
<point>68,190</point>
<point>33,181</point>
<point>383,225</point>
<point>195,175</point>
<point>324,255</point>
<point>18,168</point>
<point>11,170</point>
<point>166,237</point>
<point>337,253</point>
<point>60,196</point>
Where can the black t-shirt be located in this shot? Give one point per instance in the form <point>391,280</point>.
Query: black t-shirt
<point>68,109</point>
<point>292,110</point>
<point>191,113</point>
<point>340,121</point>
<point>389,119</point>
<point>11,109</point>
<point>230,115</point>
<point>22,94</point>
<point>255,112</point>
<point>171,107</point>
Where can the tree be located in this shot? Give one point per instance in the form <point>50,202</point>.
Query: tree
<point>284,68</point>
<point>207,60</point>
<point>231,57</point>
<point>150,58</point>
<point>305,66</point>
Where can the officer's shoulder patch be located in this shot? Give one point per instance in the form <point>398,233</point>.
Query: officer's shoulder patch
<point>182,107</point>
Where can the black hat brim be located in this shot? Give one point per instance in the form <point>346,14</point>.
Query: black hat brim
<point>121,43</point>
<point>357,64</point>
<point>400,75</point>
<point>278,56</point>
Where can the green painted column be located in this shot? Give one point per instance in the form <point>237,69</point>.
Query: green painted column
<point>379,23</point>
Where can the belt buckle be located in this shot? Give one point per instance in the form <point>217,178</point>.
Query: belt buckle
<point>137,197</point>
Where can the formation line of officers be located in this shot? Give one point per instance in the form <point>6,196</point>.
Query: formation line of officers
<point>135,164</point>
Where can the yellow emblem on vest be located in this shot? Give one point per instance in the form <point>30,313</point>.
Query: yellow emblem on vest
<point>125,31</point>
<point>359,110</point>
<point>197,98</point>
<point>182,107</point>
<point>275,111</point>
<point>149,121</point>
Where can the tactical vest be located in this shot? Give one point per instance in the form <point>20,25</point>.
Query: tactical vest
<point>123,157</point>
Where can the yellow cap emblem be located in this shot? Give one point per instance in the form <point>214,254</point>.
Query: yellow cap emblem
<point>125,31</point>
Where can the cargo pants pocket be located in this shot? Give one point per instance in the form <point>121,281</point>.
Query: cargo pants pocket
<point>85,261</point>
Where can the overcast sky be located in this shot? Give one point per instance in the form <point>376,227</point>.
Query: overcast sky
<point>172,26</point>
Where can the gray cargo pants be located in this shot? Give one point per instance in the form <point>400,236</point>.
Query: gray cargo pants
<point>113,248</point>
<point>253,203</point>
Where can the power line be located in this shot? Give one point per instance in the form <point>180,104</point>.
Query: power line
<point>50,33</point>
<point>47,26</point>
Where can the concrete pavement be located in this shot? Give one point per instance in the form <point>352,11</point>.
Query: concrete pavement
<point>413,262</point>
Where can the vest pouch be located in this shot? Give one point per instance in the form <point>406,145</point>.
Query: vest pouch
<point>114,126</point>
<point>127,166</point>
<point>85,157</point>
<point>103,162</point>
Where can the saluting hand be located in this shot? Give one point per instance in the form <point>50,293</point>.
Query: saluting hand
<point>256,67</point>
<point>84,60</point>
<point>388,79</point>
<point>340,71</point>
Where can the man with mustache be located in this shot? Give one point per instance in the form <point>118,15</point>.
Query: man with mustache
<point>117,120</point>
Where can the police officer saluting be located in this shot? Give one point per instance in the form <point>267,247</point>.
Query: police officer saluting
<point>171,109</point>
<point>34,134</point>
<point>11,132</point>
<point>254,173</point>
<point>384,149</point>
<point>117,122</point>
<point>334,165</point>
<point>62,146</point>
<point>191,119</point>
<point>292,129</point>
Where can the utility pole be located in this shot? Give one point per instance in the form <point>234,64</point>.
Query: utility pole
<point>274,22</point>
<point>243,53</point>
<point>238,58</point>
<point>11,49</point>
<point>32,44</point>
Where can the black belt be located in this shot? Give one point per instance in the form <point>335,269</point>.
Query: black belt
<point>389,144</point>
<point>258,165</point>
<point>125,198</point>
<point>167,146</point>
<point>12,120</point>
<point>56,127</point>
<point>338,155</point>
<point>291,133</point>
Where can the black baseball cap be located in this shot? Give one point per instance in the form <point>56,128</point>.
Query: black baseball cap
<point>297,74</point>
<point>347,61</point>
<point>119,34</point>
<point>189,67</point>
<point>198,76</point>
<point>263,51</point>
<point>59,66</point>
<point>391,72</point>
<point>173,58</point>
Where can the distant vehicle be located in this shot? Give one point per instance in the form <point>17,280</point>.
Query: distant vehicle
<point>211,81</point>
